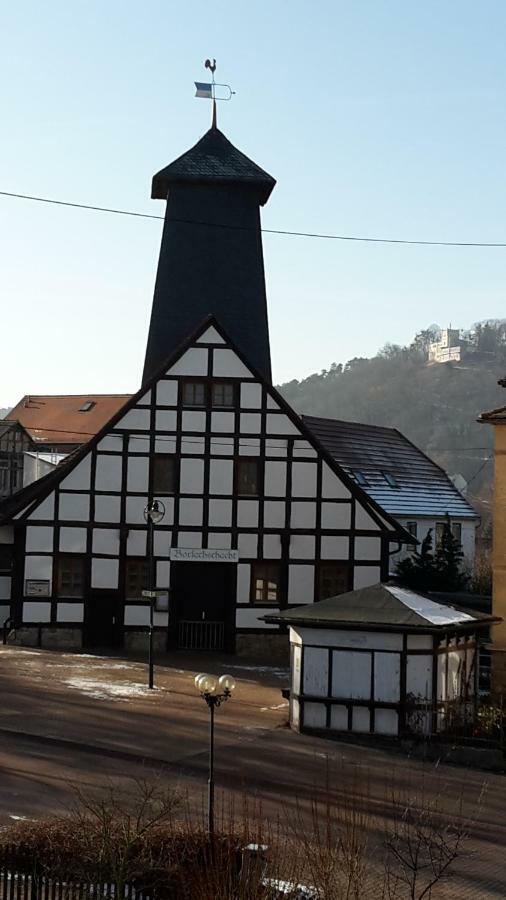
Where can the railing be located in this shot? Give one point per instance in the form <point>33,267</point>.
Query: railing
<point>19,885</point>
<point>201,635</point>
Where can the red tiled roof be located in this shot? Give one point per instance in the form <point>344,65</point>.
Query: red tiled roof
<point>61,419</point>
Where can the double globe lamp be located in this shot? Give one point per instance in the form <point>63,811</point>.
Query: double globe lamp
<point>214,691</point>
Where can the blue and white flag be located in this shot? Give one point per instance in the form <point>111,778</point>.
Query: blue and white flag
<point>204,90</point>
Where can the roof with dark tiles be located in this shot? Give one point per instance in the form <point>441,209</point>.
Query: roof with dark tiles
<point>374,455</point>
<point>213,159</point>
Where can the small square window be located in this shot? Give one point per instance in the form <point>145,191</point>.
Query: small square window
<point>266,583</point>
<point>194,393</point>
<point>361,479</point>
<point>223,393</point>
<point>248,477</point>
<point>457,532</point>
<point>137,578</point>
<point>333,580</point>
<point>164,474</point>
<point>70,576</point>
<point>89,404</point>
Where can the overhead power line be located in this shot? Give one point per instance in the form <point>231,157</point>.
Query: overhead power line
<point>281,231</point>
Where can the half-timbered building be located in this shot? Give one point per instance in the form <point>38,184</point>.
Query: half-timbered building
<point>257,515</point>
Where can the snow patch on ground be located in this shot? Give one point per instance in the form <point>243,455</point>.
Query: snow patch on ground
<point>110,690</point>
<point>278,672</point>
<point>278,706</point>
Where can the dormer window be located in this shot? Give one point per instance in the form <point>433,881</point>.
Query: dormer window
<point>390,480</point>
<point>87,405</point>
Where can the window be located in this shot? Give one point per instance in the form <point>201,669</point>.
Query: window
<point>223,394</point>
<point>6,551</point>
<point>457,532</point>
<point>266,583</point>
<point>137,578</point>
<point>5,478</point>
<point>440,527</point>
<point>164,474</point>
<point>248,477</point>
<point>333,580</point>
<point>194,393</point>
<point>361,479</point>
<point>412,527</point>
<point>456,529</point>
<point>89,404</point>
<point>70,576</point>
<point>390,479</point>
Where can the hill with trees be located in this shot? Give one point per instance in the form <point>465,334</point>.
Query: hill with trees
<point>434,405</point>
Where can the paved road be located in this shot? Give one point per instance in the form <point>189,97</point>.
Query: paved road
<point>77,719</point>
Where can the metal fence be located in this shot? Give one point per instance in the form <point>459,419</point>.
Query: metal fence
<point>201,635</point>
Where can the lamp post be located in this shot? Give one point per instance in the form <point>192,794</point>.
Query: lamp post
<point>214,691</point>
<point>153,514</point>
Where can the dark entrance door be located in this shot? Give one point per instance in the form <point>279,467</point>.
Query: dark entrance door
<point>100,619</point>
<point>204,606</point>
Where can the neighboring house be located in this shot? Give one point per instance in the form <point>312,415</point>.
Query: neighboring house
<point>14,442</point>
<point>258,516</point>
<point>400,479</point>
<point>447,348</point>
<point>36,464</point>
<point>60,423</point>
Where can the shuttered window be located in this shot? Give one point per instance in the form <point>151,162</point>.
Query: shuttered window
<point>333,580</point>
<point>137,578</point>
<point>70,576</point>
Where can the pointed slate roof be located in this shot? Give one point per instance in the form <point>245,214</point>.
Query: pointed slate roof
<point>384,606</point>
<point>213,159</point>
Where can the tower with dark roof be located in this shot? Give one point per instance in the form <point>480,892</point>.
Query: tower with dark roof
<point>211,259</point>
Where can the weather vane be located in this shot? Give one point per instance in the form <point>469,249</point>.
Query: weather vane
<point>208,90</point>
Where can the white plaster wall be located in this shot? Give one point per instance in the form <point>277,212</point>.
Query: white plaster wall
<point>300,583</point>
<point>303,479</point>
<point>222,421</point>
<point>335,547</point>
<point>166,393</point>
<point>163,573</point>
<point>271,403</point>
<point>423,526</point>
<point>190,540</point>
<point>336,515</point>
<point>274,513</point>
<point>222,446</point>
<point>367,548</point>
<point>247,545</point>
<point>368,640</point>
<point>316,671</point>
<point>44,510</point>
<point>219,541</point>
<point>243,582</point>
<point>193,444</point>
<point>275,478</point>
<point>192,362</point>
<point>5,587</point>
<point>166,420</point>
<point>134,510</point>
<point>190,511</point>
<point>251,395</point>
<point>192,476</point>
<point>137,615</point>
<point>363,520</point>
<point>79,478</point>
<point>104,573</point>
<point>193,420</point>
<point>272,546</point>
<point>39,538</point>
<point>419,676</point>
<point>162,542</point>
<point>136,542</point>
<point>250,423</point>
<point>456,660</point>
<point>144,399</point>
<point>339,717</point>
<point>221,477</point>
<point>303,514</point>
<point>70,612</point>
<point>315,715</point>
<point>107,508</point>
<point>278,423</point>
<point>419,642</point>
<point>351,675</point>
<point>302,546</point>
<point>249,447</point>
<point>276,447</point>
<point>226,364</point>
<point>108,473</point>
<point>304,449</point>
<point>248,617</point>
<point>135,419</point>
<point>210,336</point>
<point>72,540</point>
<point>387,677</point>
<point>138,473</point>
<point>386,721</point>
<point>74,507</point>
<point>34,611</point>
<point>363,576</point>
<point>106,540</point>
<point>39,567</point>
<point>112,442</point>
<point>220,513</point>
<point>332,486</point>
<point>247,513</point>
<point>361,720</point>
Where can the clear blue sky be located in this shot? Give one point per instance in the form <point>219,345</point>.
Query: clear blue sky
<point>380,118</point>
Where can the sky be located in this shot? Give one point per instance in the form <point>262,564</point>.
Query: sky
<point>378,118</point>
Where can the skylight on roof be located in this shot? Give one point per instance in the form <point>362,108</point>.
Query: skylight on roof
<point>390,479</point>
<point>89,404</point>
<point>360,479</point>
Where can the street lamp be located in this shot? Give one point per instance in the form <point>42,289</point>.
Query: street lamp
<point>153,514</point>
<point>214,691</point>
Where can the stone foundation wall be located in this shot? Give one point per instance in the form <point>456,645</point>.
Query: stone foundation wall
<point>265,648</point>
<point>48,638</point>
<point>137,641</point>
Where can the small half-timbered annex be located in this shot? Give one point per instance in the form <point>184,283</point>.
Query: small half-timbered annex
<point>382,660</point>
<point>257,516</point>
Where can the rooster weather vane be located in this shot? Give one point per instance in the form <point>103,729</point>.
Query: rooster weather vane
<point>207,90</point>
